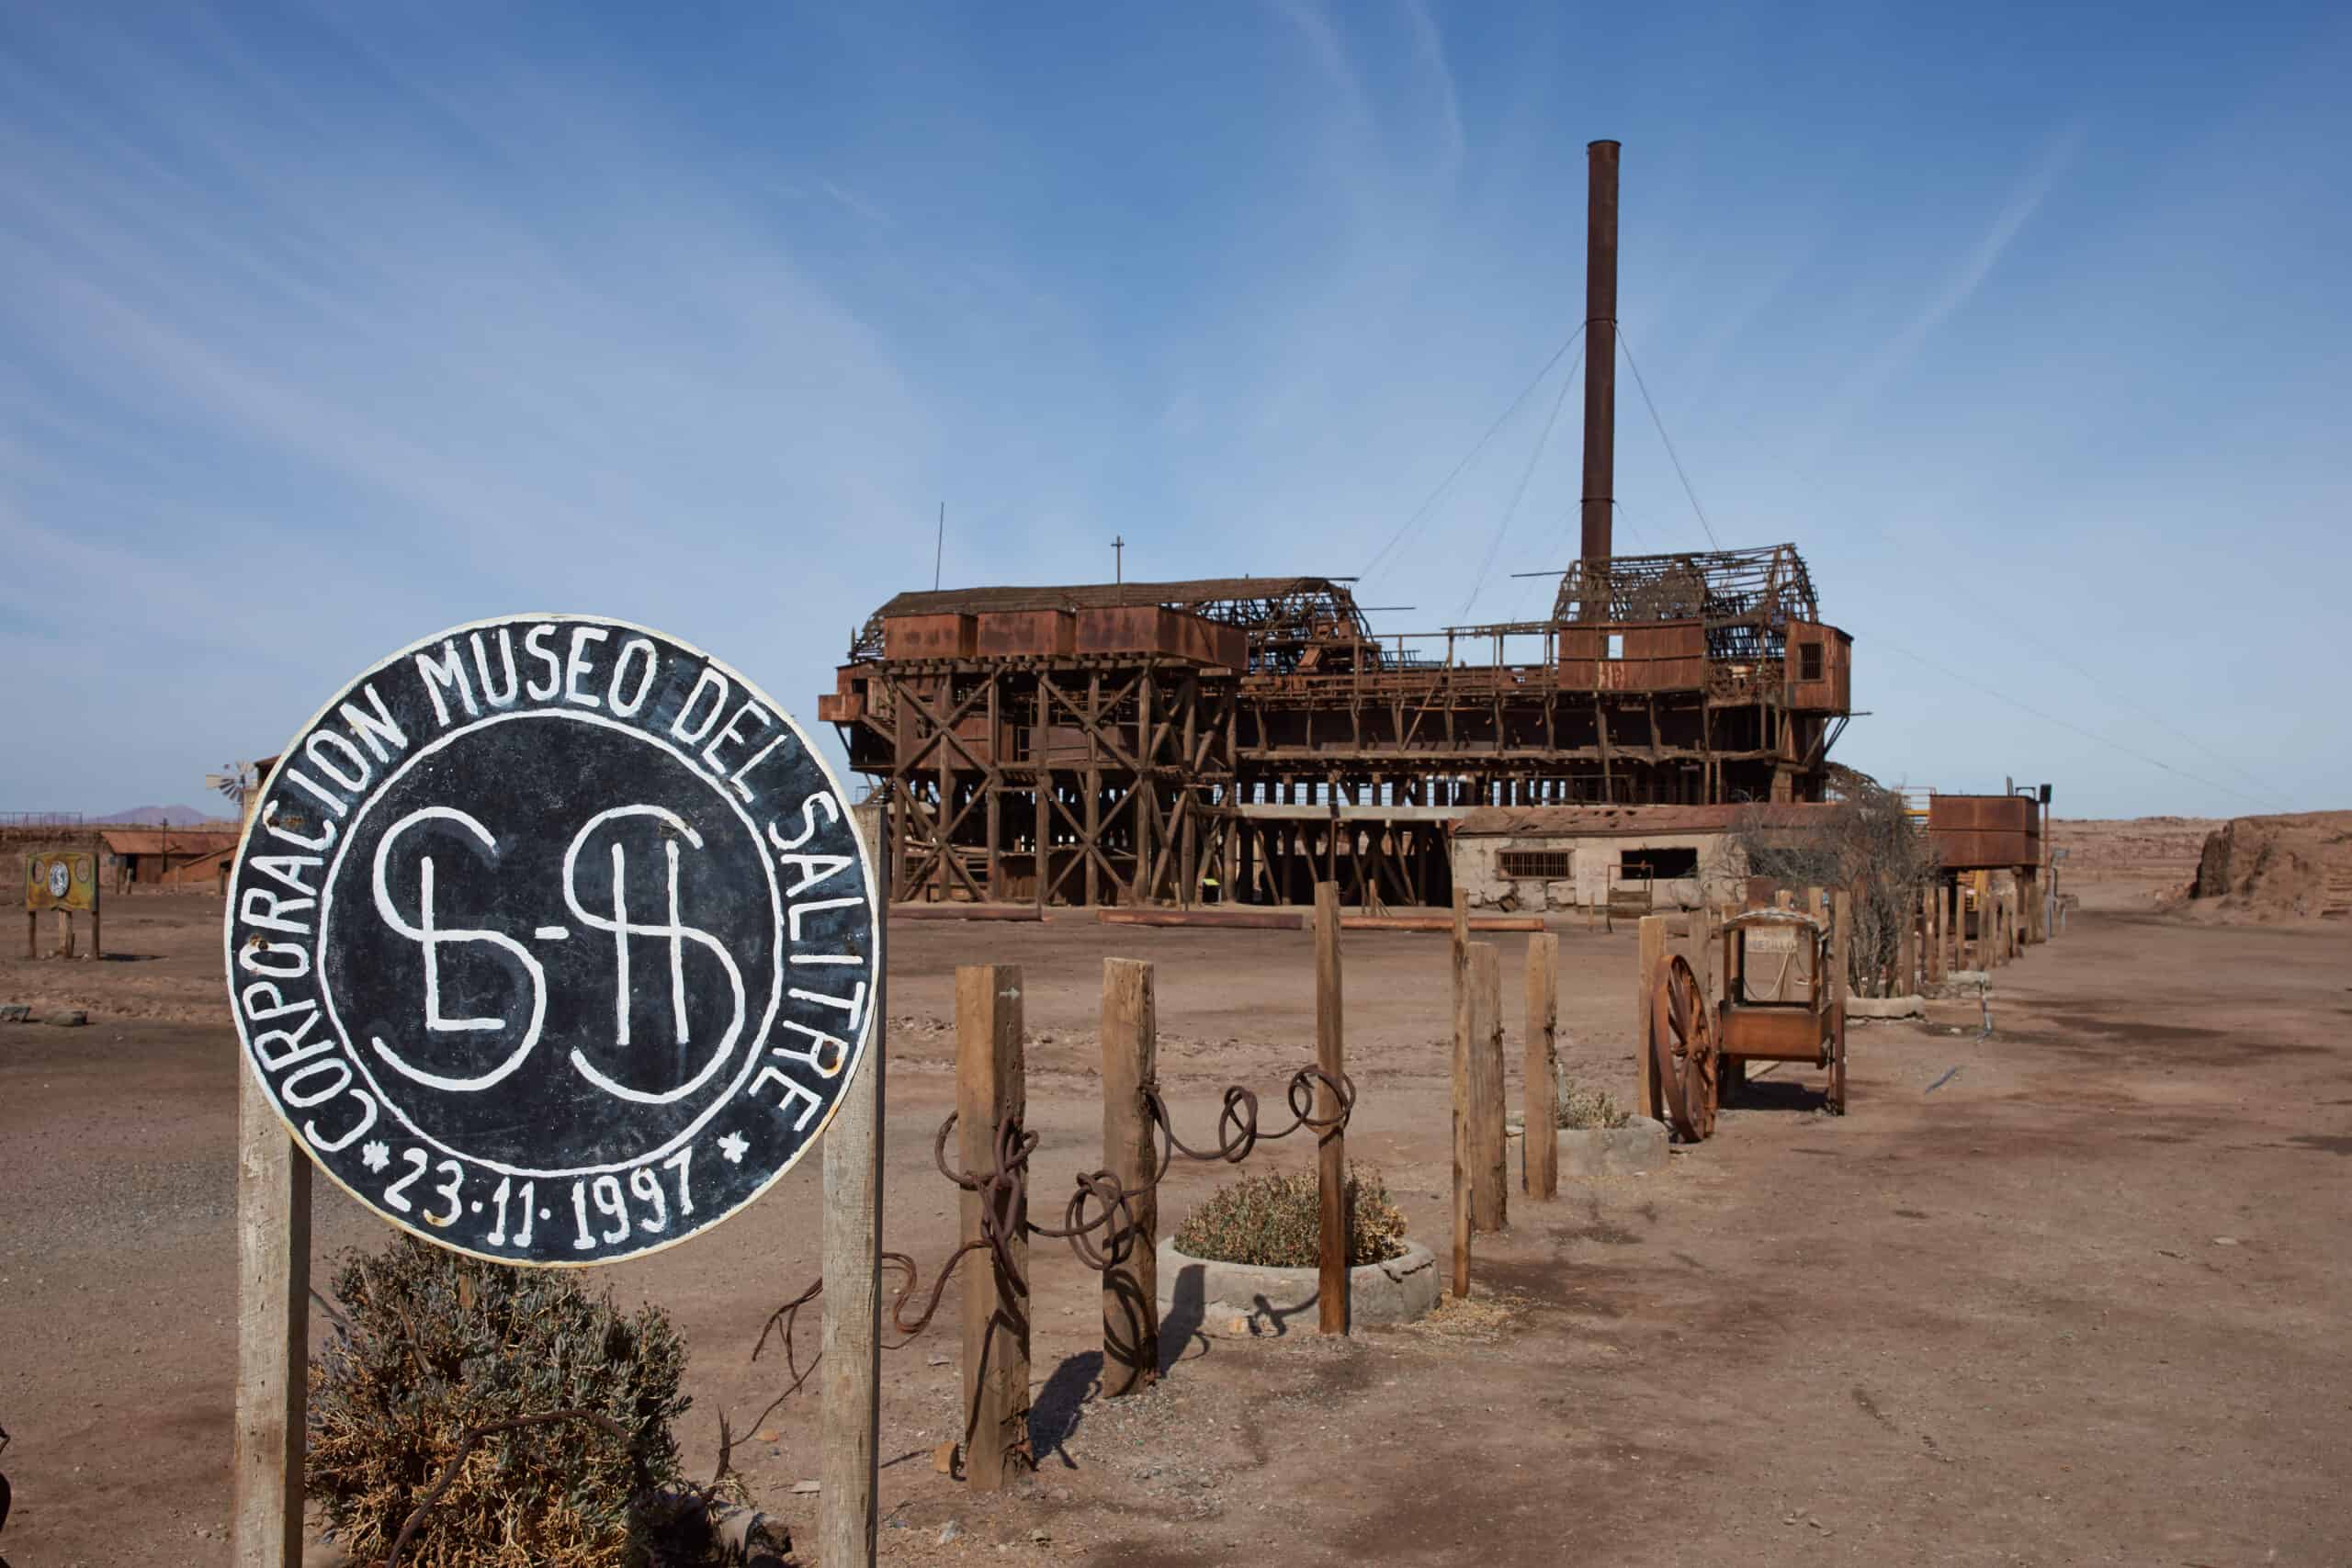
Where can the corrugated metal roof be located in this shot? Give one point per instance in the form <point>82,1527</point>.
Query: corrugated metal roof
<point>1101,595</point>
<point>1590,821</point>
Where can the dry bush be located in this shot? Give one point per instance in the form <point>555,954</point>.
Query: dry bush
<point>435,1343</point>
<point>1867,845</point>
<point>1582,1108</point>
<point>1276,1221</point>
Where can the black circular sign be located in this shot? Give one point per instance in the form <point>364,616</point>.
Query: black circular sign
<point>552,939</point>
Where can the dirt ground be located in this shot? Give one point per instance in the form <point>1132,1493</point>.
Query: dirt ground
<point>2081,1301</point>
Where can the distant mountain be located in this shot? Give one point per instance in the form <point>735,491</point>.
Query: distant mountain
<point>164,817</point>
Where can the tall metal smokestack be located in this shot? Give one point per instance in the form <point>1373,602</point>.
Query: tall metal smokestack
<point>1600,349</point>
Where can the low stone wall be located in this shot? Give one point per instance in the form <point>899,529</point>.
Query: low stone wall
<point>1197,1290</point>
<point>1635,1149</point>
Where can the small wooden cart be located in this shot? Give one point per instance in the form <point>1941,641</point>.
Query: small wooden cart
<point>1759,1021</point>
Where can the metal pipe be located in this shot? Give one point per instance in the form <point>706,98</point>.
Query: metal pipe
<point>1600,349</point>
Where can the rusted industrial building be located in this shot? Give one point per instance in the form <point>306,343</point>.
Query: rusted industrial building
<point>1238,738</point>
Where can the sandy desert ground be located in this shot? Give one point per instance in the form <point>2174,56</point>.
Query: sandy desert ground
<point>2080,1301</point>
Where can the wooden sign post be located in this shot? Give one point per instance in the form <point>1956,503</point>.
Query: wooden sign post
<point>551,943</point>
<point>65,880</point>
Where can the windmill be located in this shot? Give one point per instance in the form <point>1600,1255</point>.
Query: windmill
<point>235,780</point>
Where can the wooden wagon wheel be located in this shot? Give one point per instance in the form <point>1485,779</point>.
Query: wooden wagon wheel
<point>1682,1042</point>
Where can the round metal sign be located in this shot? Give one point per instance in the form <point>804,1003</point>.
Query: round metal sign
<point>552,939</point>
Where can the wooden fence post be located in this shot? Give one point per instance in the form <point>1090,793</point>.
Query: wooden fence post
<point>991,1088</point>
<point>273,1334</point>
<point>1841,929</point>
<point>1702,950</point>
<point>1461,1218</point>
<point>851,1332</point>
<point>1982,948</point>
<point>1539,1149</point>
<point>1906,955</point>
<point>1331,1146</point>
<point>1461,1023</point>
<point>1489,1155</point>
<point>1650,955</point>
<point>1931,931</point>
<point>1130,1065</point>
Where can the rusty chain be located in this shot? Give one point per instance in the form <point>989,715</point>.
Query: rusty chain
<point>1003,1190</point>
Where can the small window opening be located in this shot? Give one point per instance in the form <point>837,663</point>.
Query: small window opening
<point>1658,864</point>
<point>1808,662</point>
<point>1616,645</point>
<point>1530,864</point>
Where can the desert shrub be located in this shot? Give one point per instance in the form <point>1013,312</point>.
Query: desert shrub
<point>435,1343</point>
<point>1866,842</point>
<point>1276,1221</point>
<point>1583,1108</point>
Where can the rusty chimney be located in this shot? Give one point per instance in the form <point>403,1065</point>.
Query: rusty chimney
<point>1600,349</point>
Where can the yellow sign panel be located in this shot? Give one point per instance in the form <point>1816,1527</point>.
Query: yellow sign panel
<point>61,879</point>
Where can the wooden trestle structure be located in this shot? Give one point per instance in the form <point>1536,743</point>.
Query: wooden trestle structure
<point>1238,738</point>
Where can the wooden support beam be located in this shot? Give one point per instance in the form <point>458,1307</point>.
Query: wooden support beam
<point>1331,1145</point>
<point>1255,919</point>
<point>1539,1139</point>
<point>1440,924</point>
<point>273,1334</point>
<point>990,1089</point>
<point>1130,1066</point>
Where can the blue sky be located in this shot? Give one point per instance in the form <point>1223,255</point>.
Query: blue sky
<point>323,327</point>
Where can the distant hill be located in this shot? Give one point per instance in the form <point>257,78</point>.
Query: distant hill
<point>164,817</point>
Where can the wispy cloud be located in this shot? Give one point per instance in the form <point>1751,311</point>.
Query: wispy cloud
<point>1428,47</point>
<point>1959,285</point>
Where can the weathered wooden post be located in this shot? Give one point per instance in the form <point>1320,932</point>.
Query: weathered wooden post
<point>1650,957</point>
<point>1931,930</point>
<point>1331,1147</point>
<point>1817,904</point>
<point>1489,1155</point>
<point>851,1330</point>
<point>1906,957</point>
<point>273,1335</point>
<point>1462,1027</point>
<point>1703,950</point>
<point>1539,1140</point>
<point>1981,947</point>
<point>1130,1066</point>
<point>1461,1220</point>
<point>991,1090</point>
<point>1841,927</point>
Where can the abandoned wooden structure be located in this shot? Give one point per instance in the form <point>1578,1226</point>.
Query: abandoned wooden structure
<point>1239,737</point>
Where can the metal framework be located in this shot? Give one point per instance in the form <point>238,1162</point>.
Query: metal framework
<point>1238,738</point>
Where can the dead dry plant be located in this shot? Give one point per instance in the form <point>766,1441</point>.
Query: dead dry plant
<point>1865,843</point>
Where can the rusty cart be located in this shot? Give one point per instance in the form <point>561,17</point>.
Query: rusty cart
<point>1780,1005</point>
